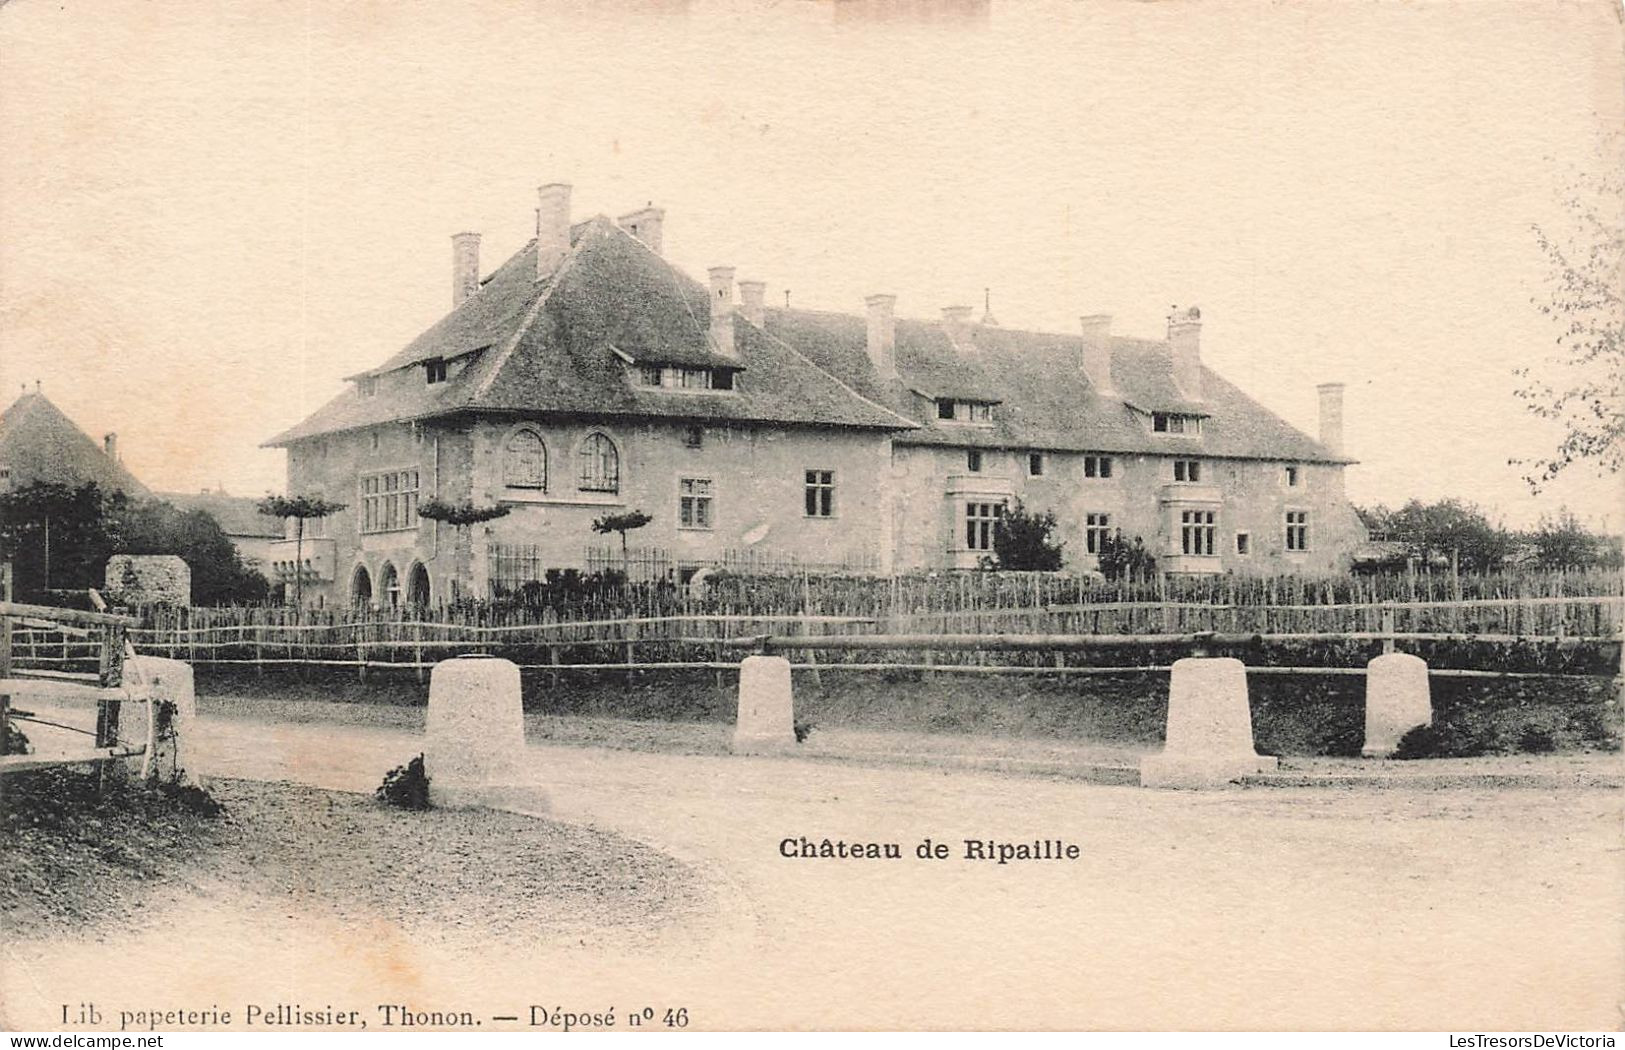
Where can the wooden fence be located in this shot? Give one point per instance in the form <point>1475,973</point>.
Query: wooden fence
<point>281,638</point>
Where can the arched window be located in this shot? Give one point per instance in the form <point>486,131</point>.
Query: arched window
<point>598,465</point>
<point>524,461</point>
<point>389,583</point>
<point>360,587</point>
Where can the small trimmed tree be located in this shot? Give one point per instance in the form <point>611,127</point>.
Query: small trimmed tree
<point>460,515</point>
<point>1025,542</point>
<point>623,524</point>
<point>298,508</point>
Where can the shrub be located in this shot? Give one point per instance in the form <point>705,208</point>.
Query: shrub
<point>1023,541</point>
<point>1443,740</point>
<point>16,742</point>
<point>803,730</point>
<point>406,786</point>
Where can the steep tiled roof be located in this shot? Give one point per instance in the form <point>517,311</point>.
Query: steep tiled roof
<point>39,443</point>
<point>549,346</point>
<point>556,346</point>
<point>1044,399</point>
<point>237,515</point>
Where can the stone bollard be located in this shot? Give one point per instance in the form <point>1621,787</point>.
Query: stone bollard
<point>1397,700</point>
<point>1210,728</point>
<point>170,744</point>
<point>474,739</point>
<point>766,706</point>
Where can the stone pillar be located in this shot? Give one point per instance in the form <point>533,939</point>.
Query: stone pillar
<point>766,706</point>
<point>1397,700</point>
<point>474,746</point>
<point>1210,728</point>
<point>170,744</point>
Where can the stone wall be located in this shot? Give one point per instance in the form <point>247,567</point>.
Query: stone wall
<point>134,579</point>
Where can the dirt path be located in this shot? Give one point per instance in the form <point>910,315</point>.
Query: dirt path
<point>1279,908</point>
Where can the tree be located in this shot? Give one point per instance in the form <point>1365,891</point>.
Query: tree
<point>60,538</point>
<point>1024,541</point>
<point>298,508</point>
<point>460,515</point>
<point>1119,559</point>
<point>1561,542</point>
<point>1585,304</point>
<point>1448,529</point>
<point>57,536</point>
<point>623,524</point>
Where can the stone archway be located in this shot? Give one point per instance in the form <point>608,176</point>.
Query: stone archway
<point>417,586</point>
<point>360,586</point>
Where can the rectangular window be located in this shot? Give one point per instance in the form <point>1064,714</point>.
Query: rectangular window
<point>693,437</point>
<point>1291,477</point>
<point>973,460</point>
<point>389,501</point>
<point>1196,529</point>
<point>1097,466</point>
<point>1096,530</point>
<point>820,495</point>
<point>1174,423</point>
<point>367,386</point>
<point>1035,464</point>
<point>1187,470</point>
<point>1297,530</point>
<point>980,519</point>
<point>434,370</point>
<point>649,375</point>
<point>1244,543</point>
<point>964,411</point>
<point>694,503</point>
<point>722,379</point>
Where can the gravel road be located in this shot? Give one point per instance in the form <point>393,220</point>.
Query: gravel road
<point>1252,908</point>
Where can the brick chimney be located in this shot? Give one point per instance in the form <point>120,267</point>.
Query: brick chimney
<point>1331,416</point>
<point>1185,340</point>
<point>1096,358</point>
<point>552,227</point>
<point>956,322</point>
<point>722,310</point>
<point>465,267</point>
<point>882,344</point>
<point>110,445</point>
<point>647,225</point>
<point>753,302</point>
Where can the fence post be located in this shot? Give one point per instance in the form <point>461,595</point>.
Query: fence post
<point>417,635</point>
<point>1387,627</point>
<point>631,636</point>
<point>361,649</point>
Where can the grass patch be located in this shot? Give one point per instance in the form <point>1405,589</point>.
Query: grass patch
<point>70,854</point>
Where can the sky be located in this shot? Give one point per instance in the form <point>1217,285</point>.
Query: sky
<point>212,212</point>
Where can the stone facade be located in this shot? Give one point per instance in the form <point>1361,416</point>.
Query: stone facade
<point>757,500</point>
<point>934,485</point>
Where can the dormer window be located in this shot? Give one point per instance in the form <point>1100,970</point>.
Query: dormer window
<point>1176,423</point>
<point>678,377</point>
<point>367,386</point>
<point>957,411</point>
<point>434,370</point>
